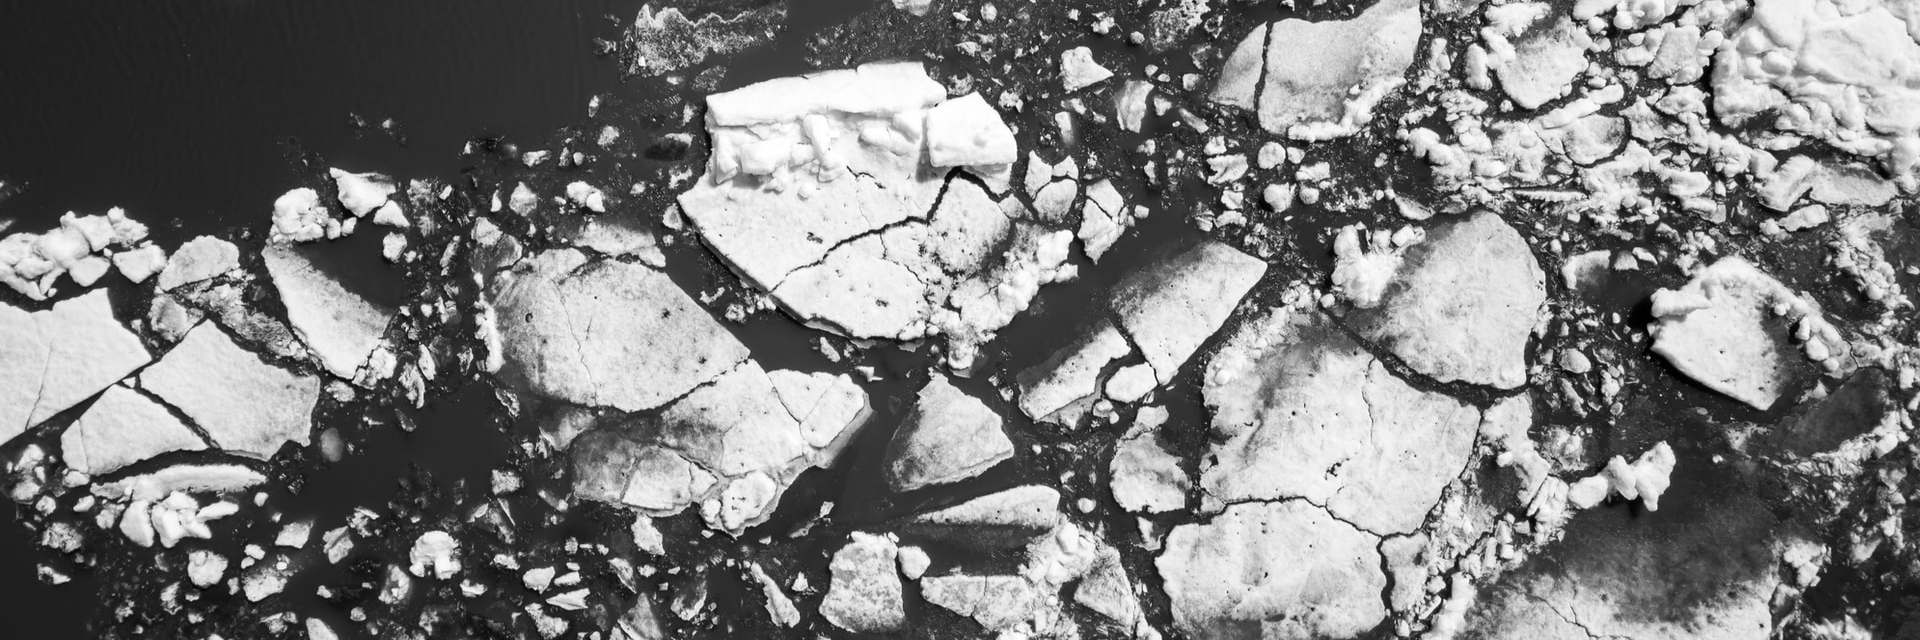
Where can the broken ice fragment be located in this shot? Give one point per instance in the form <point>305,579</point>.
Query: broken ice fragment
<point>1014,516</point>
<point>362,193</point>
<point>587,197</point>
<point>1063,387</point>
<point>1171,307</point>
<point>1145,476</point>
<point>1287,568</point>
<point>950,436</point>
<point>204,568</point>
<point>865,595</point>
<point>966,131</point>
<point>57,358</point>
<point>1078,69</point>
<point>1462,304</point>
<point>341,327</point>
<point>1720,330</point>
<point>199,259</point>
<point>996,602</point>
<point>435,552</point>
<point>1535,62</point>
<point>299,216</point>
<point>122,427</point>
<point>1322,79</point>
<point>606,333</point>
<point>247,405</point>
<point>139,264</point>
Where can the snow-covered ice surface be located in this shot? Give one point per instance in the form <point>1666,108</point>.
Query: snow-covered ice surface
<point>1204,319</point>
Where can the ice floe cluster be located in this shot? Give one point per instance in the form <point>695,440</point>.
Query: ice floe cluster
<point>1185,319</point>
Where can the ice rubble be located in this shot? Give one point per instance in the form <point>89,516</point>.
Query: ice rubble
<point>1535,50</point>
<point>1458,306</point>
<point>1839,72</point>
<point>1301,411</point>
<point>300,216</point>
<point>665,41</point>
<point>247,405</point>
<point>59,357</point>
<point>1729,329</point>
<point>1322,80</point>
<point>80,248</point>
<point>949,436</point>
<point>822,191</point>
<point>341,327</point>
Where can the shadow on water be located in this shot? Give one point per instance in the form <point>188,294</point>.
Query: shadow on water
<point>194,114</point>
<point>40,611</point>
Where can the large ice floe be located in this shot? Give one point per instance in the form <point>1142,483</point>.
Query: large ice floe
<point>837,192</point>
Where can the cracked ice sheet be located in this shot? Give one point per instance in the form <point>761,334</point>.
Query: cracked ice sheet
<point>1305,412</point>
<point>59,357</point>
<point>606,333</point>
<point>822,191</point>
<point>248,406</point>
<point>733,446</point>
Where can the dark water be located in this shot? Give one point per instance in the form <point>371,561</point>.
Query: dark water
<point>192,113</point>
<point>194,116</point>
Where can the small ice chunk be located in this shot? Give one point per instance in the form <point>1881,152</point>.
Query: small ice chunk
<point>587,197</point>
<point>435,552</point>
<point>1078,69</point>
<point>204,568</point>
<point>139,264</point>
<point>966,131</point>
<point>362,193</point>
<point>865,595</point>
<point>199,259</point>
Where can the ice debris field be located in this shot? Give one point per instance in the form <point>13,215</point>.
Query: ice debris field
<point>1145,319</point>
